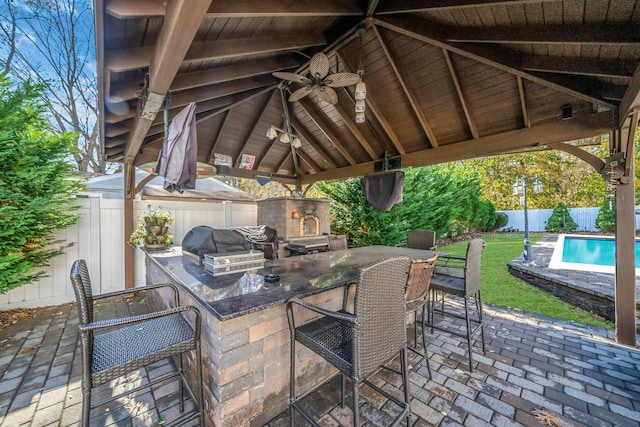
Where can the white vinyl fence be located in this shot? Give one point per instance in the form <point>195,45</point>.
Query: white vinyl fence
<point>584,217</point>
<point>99,239</point>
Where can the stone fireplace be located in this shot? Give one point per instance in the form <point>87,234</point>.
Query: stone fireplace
<point>280,213</point>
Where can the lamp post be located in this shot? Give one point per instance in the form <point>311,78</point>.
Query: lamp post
<point>520,189</point>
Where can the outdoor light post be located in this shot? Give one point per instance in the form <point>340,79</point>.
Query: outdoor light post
<point>520,189</point>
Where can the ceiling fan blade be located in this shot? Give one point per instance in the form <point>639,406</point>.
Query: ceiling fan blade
<point>292,77</point>
<point>342,79</point>
<point>300,93</point>
<point>319,65</point>
<point>328,95</point>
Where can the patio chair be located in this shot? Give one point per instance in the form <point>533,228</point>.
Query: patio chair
<point>416,294</point>
<point>138,341</point>
<point>337,243</point>
<point>460,276</point>
<point>420,239</point>
<point>359,344</point>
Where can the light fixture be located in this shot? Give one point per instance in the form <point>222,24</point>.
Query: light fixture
<point>360,106</point>
<point>361,91</point>
<point>360,117</point>
<point>284,134</point>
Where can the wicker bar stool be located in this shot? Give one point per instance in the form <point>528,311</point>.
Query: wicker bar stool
<point>137,342</point>
<point>460,276</point>
<point>337,243</point>
<point>359,344</point>
<point>416,295</point>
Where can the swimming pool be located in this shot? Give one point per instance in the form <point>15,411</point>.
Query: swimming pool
<point>587,253</point>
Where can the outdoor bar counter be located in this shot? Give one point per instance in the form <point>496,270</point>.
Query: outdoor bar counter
<point>245,334</point>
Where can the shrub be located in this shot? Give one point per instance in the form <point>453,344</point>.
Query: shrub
<point>606,220</point>
<point>502,219</point>
<point>485,216</point>
<point>37,191</point>
<point>560,220</point>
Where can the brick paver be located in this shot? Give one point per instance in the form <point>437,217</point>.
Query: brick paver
<point>534,366</point>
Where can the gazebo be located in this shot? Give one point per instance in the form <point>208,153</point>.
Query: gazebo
<point>443,80</point>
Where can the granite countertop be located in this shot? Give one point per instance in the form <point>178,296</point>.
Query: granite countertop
<point>236,294</point>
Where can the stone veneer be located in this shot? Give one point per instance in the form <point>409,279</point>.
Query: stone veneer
<point>245,360</point>
<point>276,213</point>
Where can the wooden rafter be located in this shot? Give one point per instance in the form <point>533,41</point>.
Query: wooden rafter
<point>312,141</point>
<point>179,27</point>
<point>197,79</point>
<point>210,156</point>
<point>615,68</point>
<point>544,134</point>
<point>412,6</point>
<point>322,125</point>
<point>308,160</point>
<point>140,57</point>
<point>434,35</point>
<point>523,102</point>
<point>252,127</point>
<point>610,33</point>
<point>348,119</point>
<point>408,92</point>
<point>377,112</point>
<point>631,99</point>
<point>126,9</point>
<point>372,6</point>
<point>463,102</point>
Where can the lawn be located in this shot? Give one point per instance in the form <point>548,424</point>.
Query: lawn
<point>501,288</point>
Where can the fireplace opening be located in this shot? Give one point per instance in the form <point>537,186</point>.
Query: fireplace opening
<point>310,225</point>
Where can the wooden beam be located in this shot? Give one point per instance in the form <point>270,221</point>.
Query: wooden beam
<point>523,102</point>
<point>179,27</point>
<point>594,161</point>
<point>461,98</point>
<point>308,160</point>
<point>372,6</point>
<point>322,125</point>
<point>417,6</point>
<point>408,91</point>
<point>126,9</point>
<point>128,90</point>
<point>594,67</point>
<point>433,34</point>
<point>140,57</point>
<point>543,134</point>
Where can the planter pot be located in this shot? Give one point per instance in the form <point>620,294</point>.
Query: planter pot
<point>155,247</point>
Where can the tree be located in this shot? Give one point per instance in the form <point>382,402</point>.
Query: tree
<point>606,219</point>
<point>442,198</point>
<point>560,220</point>
<point>52,42</point>
<point>36,186</point>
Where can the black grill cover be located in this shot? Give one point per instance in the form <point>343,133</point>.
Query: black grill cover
<point>202,240</point>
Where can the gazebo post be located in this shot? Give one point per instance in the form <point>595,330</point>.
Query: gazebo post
<point>128,250</point>
<point>625,271</point>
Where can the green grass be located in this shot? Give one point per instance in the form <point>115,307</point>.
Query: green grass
<point>501,288</point>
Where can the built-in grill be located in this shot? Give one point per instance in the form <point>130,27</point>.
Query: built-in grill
<point>307,245</point>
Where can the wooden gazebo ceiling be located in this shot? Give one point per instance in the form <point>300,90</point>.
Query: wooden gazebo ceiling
<point>446,79</point>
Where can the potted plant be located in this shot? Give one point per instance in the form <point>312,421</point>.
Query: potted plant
<point>153,229</point>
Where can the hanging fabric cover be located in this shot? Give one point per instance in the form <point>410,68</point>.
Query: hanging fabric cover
<point>177,162</point>
<point>384,190</point>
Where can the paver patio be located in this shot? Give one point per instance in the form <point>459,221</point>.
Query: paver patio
<point>536,368</point>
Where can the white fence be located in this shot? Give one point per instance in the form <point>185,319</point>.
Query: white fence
<point>584,217</point>
<point>99,239</point>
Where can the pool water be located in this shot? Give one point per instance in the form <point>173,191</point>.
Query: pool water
<point>587,253</point>
<point>592,251</point>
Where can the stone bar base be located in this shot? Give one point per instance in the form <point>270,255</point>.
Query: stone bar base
<point>246,358</point>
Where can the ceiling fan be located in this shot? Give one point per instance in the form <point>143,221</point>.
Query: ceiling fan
<point>318,80</point>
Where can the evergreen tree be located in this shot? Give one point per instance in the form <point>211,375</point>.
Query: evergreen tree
<point>560,220</point>
<point>36,186</point>
<point>606,220</point>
